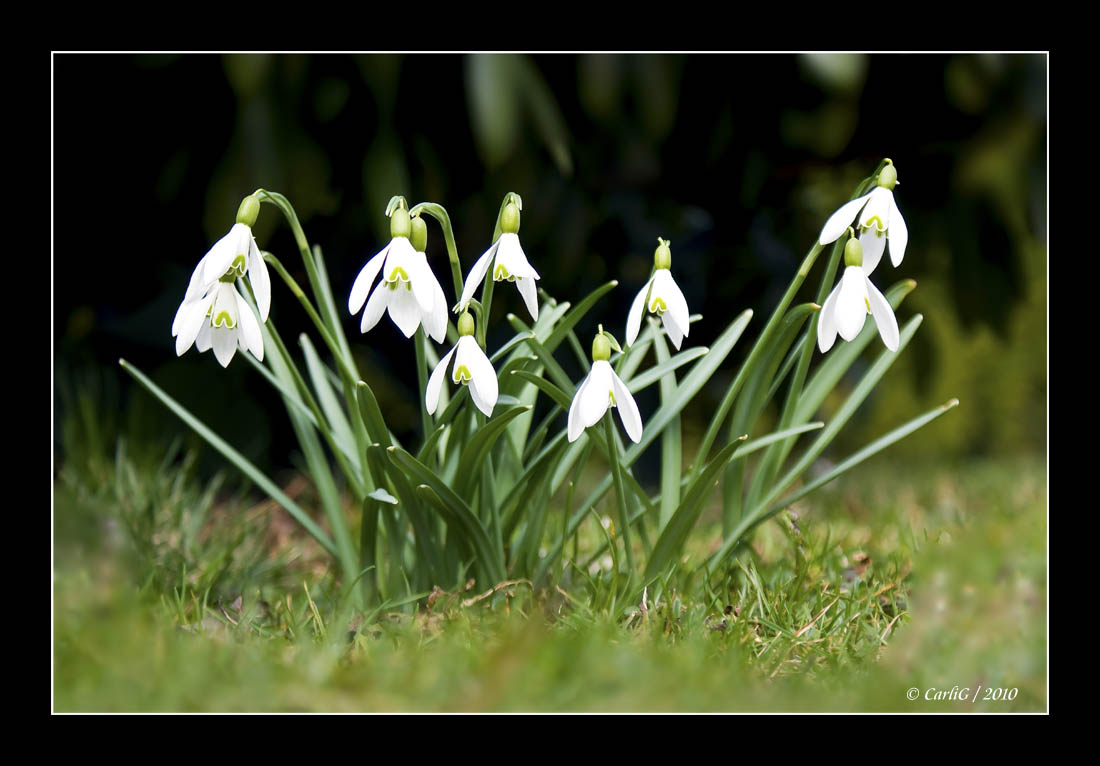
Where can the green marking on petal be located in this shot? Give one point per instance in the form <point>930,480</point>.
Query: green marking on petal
<point>398,273</point>
<point>462,375</point>
<point>236,270</point>
<point>500,273</point>
<point>879,225</point>
<point>868,304</point>
<point>223,319</point>
<point>658,306</point>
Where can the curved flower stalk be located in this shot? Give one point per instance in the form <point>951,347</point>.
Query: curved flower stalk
<point>879,221</point>
<point>850,302</point>
<point>408,289</point>
<point>661,296</point>
<point>601,389</point>
<point>508,262</point>
<point>213,314</point>
<point>471,368</point>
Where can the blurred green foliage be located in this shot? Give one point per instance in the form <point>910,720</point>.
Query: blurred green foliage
<point>737,159</point>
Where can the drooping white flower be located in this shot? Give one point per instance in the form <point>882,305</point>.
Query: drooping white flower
<point>221,319</point>
<point>471,368</point>
<point>880,222</point>
<point>850,302</point>
<point>213,314</point>
<point>601,389</point>
<point>508,262</point>
<point>408,288</point>
<point>661,296</point>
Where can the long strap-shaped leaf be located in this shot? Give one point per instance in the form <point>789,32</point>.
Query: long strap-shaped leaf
<point>866,384</point>
<point>456,508</point>
<point>476,450</point>
<point>234,457</point>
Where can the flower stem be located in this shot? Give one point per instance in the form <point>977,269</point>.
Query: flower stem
<point>422,381</point>
<point>439,213</point>
<point>620,492</point>
<point>349,373</point>
<point>754,356</point>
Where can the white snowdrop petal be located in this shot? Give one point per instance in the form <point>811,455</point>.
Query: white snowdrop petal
<point>477,273</point>
<point>260,279</point>
<point>597,394</point>
<point>225,345</point>
<point>190,324</point>
<point>511,256</point>
<point>436,323</point>
<point>529,292</point>
<point>672,330</point>
<point>628,409</point>
<point>634,318</point>
<point>422,282</point>
<point>483,383</point>
<point>676,314</point>
<point>576,426</point>
<point>898,234</point>
<point>877,212</point>
<point>251,337</point>
<point>826,322</point>
<point>839,221</point>
<point>884,317</point>
<point>376,307</point>
<point>403,309</point>
<point>225,251</point>
<point>204,341</point>
<point>873,243</point>
<point>851,303</point>
<point>363,282</point>
<point>435,383</point>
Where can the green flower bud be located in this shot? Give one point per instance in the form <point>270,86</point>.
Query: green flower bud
<point>888,176</point>
<point>853,253</point>
<point>249,209</point>
<point>465,324</point>
<point>419,234</point>
<point>662,256</point>
<point>509,219</point>
<point>399,223</point>
<point>601,348</point>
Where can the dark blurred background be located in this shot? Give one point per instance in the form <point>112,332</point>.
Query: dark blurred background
<point>737,159</point>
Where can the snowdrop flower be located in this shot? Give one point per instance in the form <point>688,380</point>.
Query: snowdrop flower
<point>408,288</point>
<point>850,302</point>
<point>507,261</point>
<point>600,390</point>
<point>879,221</point>
<point>471,368</point>
<point>660,296</point>
<point>213,314</point>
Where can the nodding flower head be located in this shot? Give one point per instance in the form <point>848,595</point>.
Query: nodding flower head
<point>850,302</point>
<point>508,262</point>
<point>213,314</point>
<point>880,221</point>
<point>408,288</point>
<point>471,368</point>
<point>602,388</point>
<point>661,296</point>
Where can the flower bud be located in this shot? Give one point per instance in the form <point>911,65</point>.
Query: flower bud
<point>509,219</point>
<point>418,235</point>
<point>662,257</point>
<point>853,253</point>
<point>601,348</point>
<point>249,209</point>
<point>399,223</point>
<point>888,176</point>
<point>465,324</point>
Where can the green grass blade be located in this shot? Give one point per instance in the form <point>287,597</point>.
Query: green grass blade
<point>234,457</point>
<point>330,403</point>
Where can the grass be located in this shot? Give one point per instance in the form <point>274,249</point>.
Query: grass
<point>174,595</point>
